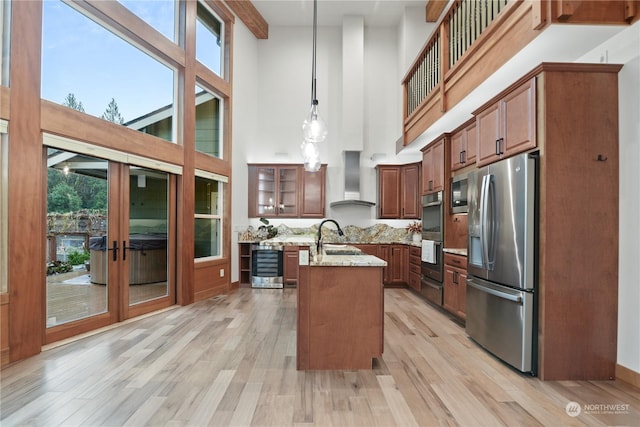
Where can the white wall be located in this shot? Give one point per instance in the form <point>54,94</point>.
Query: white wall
<point>245,88</point>
<point>272,93</point>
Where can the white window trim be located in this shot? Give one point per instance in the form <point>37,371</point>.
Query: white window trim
<point>219,216</point>
<point>69,144</point>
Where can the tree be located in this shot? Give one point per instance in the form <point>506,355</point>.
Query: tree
<point>63,198</point>
<point>71,102</point>
<point>112,113</point>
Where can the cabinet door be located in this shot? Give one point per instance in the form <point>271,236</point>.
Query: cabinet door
<point>262,191</point>
<point>290,266</point>
<point>427,171</point>
<point>487,123</point>
<point>450,297</point>
<point>458,144</point>
<point>397,266</point>
<point>312,193</point>
<point>519,119</point>
<point>388,192</point>
<point>462,294</point>
<point>471,144</point>
<point>410,188</point>
<point>384,253</point>
<point>287,191</point>
<point>437,163</point>
<point>433,168</point>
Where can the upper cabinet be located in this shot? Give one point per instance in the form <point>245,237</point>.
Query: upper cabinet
<point>433,166</point>
<point>399,191</point>
<point>312,193</point>
<point>508,125</point>
<point>286,191</point>
<point>464,145</point>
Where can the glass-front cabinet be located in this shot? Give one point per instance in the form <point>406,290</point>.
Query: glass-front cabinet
<point>285,191</point>
<point>276,191</point>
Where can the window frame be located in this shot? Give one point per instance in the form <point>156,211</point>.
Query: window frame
<point>223,181</point>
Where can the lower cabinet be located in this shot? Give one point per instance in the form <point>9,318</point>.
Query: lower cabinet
<point>415,265</point>
<point>455,284</point>
<point>396,272</point>
<point>244,263</point>
<point>290,266</point>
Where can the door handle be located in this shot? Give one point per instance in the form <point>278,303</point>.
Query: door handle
<point>114,248</point>
<point>124,250</point>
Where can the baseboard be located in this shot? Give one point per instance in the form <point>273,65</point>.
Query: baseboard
<point>627,375</point>
<point>235,285</point>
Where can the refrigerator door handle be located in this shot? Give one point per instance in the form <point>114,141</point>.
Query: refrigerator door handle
<point>484,220</point>
<point>514,298</point>
<point>491,222</point>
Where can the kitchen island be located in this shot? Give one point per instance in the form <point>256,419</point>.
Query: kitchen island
<point>340,312</point>
<point>340,322</point>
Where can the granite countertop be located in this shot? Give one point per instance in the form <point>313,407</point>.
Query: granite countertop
<point>456,251</point>
<point>361,260</point>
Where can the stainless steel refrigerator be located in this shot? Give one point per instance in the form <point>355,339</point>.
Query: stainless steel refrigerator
<point>502,275</point>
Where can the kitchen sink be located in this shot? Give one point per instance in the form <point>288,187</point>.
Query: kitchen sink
<point>333,249</point>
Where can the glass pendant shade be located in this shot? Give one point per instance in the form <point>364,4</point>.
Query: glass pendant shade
<point>311,156</point>
<point>314,128</point>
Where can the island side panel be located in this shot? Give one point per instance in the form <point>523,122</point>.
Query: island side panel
<point>345,317</point>
<point>302,332</point>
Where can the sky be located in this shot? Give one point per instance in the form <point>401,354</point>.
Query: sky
<point>81,57</point>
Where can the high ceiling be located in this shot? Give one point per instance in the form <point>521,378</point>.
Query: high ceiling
<point>330,12</point>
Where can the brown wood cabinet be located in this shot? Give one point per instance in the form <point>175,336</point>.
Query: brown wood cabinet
<point>415,266</point>
<point>340,317</point>
<point>244,263</point>
<point>575,127</point>
<point>508,125</point>
<point>290,266</point>
<point>455,284</point>
<point>399,191</point>
<point>464,145</point>
<point>312,193</point>
<point>397,257</point>
<point>286,191</point>
<point>433,165</point>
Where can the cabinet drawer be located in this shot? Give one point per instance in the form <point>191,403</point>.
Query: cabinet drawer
<point>415,251</point>
<point>414,260</point>
<point>414,281</point>
<point>415,269</point>
<point>455,260</point>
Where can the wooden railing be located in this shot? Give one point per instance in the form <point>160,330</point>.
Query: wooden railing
<point>467,19</point>
<point>426,75</point>
<point>474,38</point>
<point>465,22</point>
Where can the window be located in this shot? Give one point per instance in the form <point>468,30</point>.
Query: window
<point>209,212</point>
<point>90,69</point>
<point>208,123</point>
<point>160,14</point>
<point>209,39</point>
<point>5,21</point>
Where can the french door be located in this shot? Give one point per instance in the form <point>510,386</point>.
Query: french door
<point>110,242</point>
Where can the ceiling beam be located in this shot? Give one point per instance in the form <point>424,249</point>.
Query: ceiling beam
<point>434,8</point>
<point>249,15</point>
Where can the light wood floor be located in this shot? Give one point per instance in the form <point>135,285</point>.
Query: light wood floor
<point>230,360</point>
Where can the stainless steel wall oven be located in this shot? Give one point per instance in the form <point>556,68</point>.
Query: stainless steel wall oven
<point>432,244</point>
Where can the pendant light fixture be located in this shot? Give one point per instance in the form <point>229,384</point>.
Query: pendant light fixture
<point>313,127</point>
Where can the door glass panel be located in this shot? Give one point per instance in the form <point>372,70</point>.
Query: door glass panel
<point>266,191</point>
<point>147,252</point>
<point>76,241</point>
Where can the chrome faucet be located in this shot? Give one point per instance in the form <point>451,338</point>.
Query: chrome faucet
<point>340,233</point>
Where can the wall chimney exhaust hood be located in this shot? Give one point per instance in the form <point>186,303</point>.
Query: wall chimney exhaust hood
<point>351,182</point>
